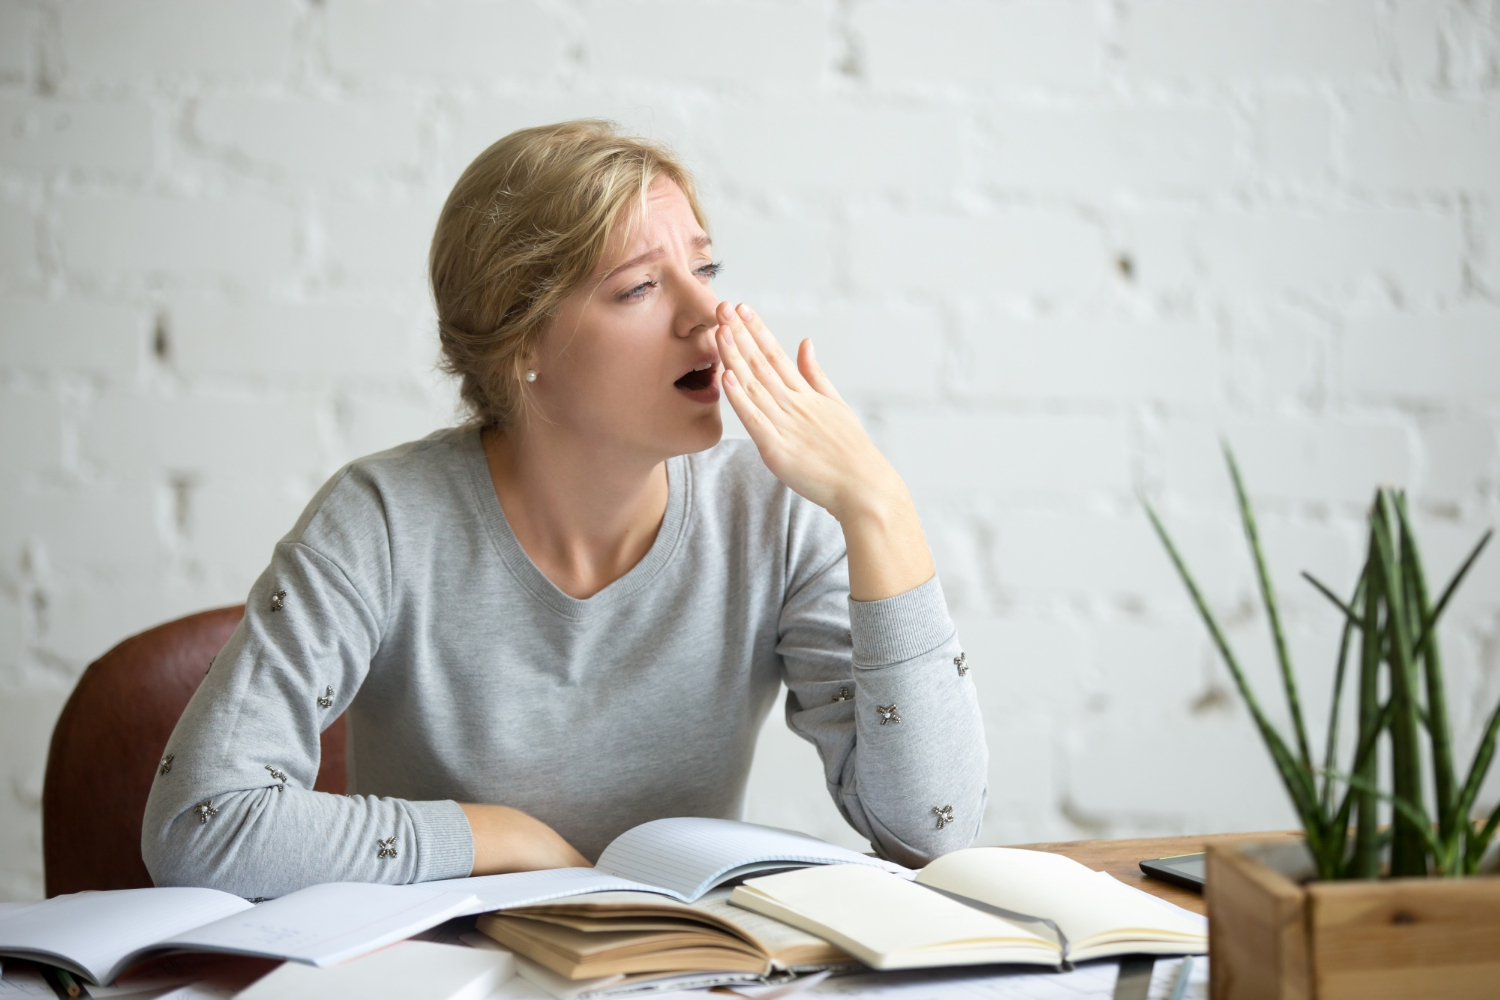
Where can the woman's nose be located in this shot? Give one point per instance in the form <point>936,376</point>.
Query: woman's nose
<point>699,311</point>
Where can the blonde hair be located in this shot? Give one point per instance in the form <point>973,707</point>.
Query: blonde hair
<point>524,227</point>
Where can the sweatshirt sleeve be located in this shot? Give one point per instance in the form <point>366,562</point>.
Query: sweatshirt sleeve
<point>882,689</point>
<point>232,805</point>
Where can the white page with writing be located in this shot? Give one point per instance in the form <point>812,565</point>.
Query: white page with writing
<point>326,924</point>
<point>690,854</point>
<point>1081,902</point>
<point>503,892</point>
<point>98,933</point>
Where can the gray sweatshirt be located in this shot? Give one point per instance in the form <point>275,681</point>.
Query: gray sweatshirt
<point>402,598</point>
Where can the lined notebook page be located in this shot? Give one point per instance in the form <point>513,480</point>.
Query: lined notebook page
<point>100,932</point>
<point>690,855</point>
<point>502,892</point>
<point>325,924</point>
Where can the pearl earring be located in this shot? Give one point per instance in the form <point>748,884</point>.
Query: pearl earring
<point>530,375</point>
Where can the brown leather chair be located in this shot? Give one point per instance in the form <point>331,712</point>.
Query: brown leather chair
<point>109,740</point>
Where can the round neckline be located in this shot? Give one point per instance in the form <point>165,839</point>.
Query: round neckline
<point>535,582</point>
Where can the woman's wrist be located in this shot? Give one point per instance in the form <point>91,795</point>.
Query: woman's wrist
<point>509,840</point>
<point>888,552</point>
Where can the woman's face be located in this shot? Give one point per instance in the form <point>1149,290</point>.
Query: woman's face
<point>630,362</point>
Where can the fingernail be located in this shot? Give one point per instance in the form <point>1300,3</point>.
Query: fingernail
<point>745,311</point>
<point>730,380</point>
<point>728,335</point>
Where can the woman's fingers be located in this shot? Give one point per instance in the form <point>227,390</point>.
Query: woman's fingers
<point>770,347</point>
<point>807,363</point>
<point>758,367</point>
<point>760,428</point>
<point>756,395</point>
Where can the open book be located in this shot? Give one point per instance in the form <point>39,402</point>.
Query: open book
<point>97,935</point>
<point>682,857</point>
<point>985,904</point>
<point>611,933</point>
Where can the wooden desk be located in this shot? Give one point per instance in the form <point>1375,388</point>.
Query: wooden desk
<point>1122,858</point>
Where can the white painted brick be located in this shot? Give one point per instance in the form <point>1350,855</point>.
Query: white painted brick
<point>233,526</point>
<point>803,145</point>
<point>238,436</point>
<point>1242,253</point>
<point>32,442</point>
<point>1193,40</point>
<point>1460,458</point>
<point>1004,455</point>
<point>867,348</point>
<point>1043,43</point>
<point>1283,458</point>
<point>476,126</point>
<point>1062,552</point>
<point>18,240</point>
<point>18,31</point>
<point>773,255</point>
<point>1022,764</point>
<point>1416,27</point>
<point>85,620</point>
<point>108,533</point>
<point>685,42</point>
<point>1445,545</point>
<point>374,422</point>
<point>1103,150</point>
<point>1296,133</point>
<point>144,39</point>
<point>1223,779</point>
<point>319,139</point>
<point>1093,360</point>
<point>1025,667</point>
<point>1444,358</point>
<point>70,335</point>
<point>512,40</point>
<point>1424,144</point>
<point>1147,670</point>
<point>44,134</point>
<point>347,338</point>
<point>383,241</point>
<point>26,720</point>
<point>248,239</point>
<point>1019,251</point>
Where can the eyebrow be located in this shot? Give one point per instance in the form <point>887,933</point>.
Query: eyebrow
<point>701,241</point>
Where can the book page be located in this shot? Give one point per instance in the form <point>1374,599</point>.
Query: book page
<point>690,855</point>
<point>887,922</point>
<point>504,892</point>
<point>1084,903</point>
<point>98,933</point>
<point>326,924</point>
<point>776,938</point>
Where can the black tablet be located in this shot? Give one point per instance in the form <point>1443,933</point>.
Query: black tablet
<point>1185,870</point>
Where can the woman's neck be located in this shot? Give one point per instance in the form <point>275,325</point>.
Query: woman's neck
<point>585,516</point>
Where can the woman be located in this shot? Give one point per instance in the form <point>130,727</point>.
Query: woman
<point>572,615</point>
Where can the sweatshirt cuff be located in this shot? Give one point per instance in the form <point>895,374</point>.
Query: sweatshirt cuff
<point>900,628</point>
<point>445,844</point>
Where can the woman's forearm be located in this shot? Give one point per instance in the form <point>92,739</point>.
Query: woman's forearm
<point>508,840</point>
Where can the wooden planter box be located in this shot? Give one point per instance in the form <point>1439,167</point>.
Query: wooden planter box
<point>1408,938</point>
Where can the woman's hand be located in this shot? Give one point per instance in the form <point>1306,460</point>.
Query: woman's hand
<point>508,840</point>
<point>813,442</point>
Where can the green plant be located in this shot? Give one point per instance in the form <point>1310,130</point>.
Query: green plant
<point>1390,614</point>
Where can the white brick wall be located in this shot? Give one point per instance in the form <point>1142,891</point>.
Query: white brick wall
<point>1052,250</point>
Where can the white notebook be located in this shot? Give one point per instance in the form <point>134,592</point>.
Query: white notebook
<point>982,905</point>
<point>97,935</point>
<point>400,972</point>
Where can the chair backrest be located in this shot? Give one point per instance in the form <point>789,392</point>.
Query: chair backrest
<point>107,744</point>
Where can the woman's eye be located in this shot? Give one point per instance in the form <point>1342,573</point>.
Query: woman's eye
<point>711,270</point>
<point>639,290</point>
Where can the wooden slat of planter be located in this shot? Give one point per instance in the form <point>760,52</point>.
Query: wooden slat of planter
<point>1257,930</point>
<point>1406,938</point>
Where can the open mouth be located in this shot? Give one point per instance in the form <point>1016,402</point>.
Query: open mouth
<point>695,380</point>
